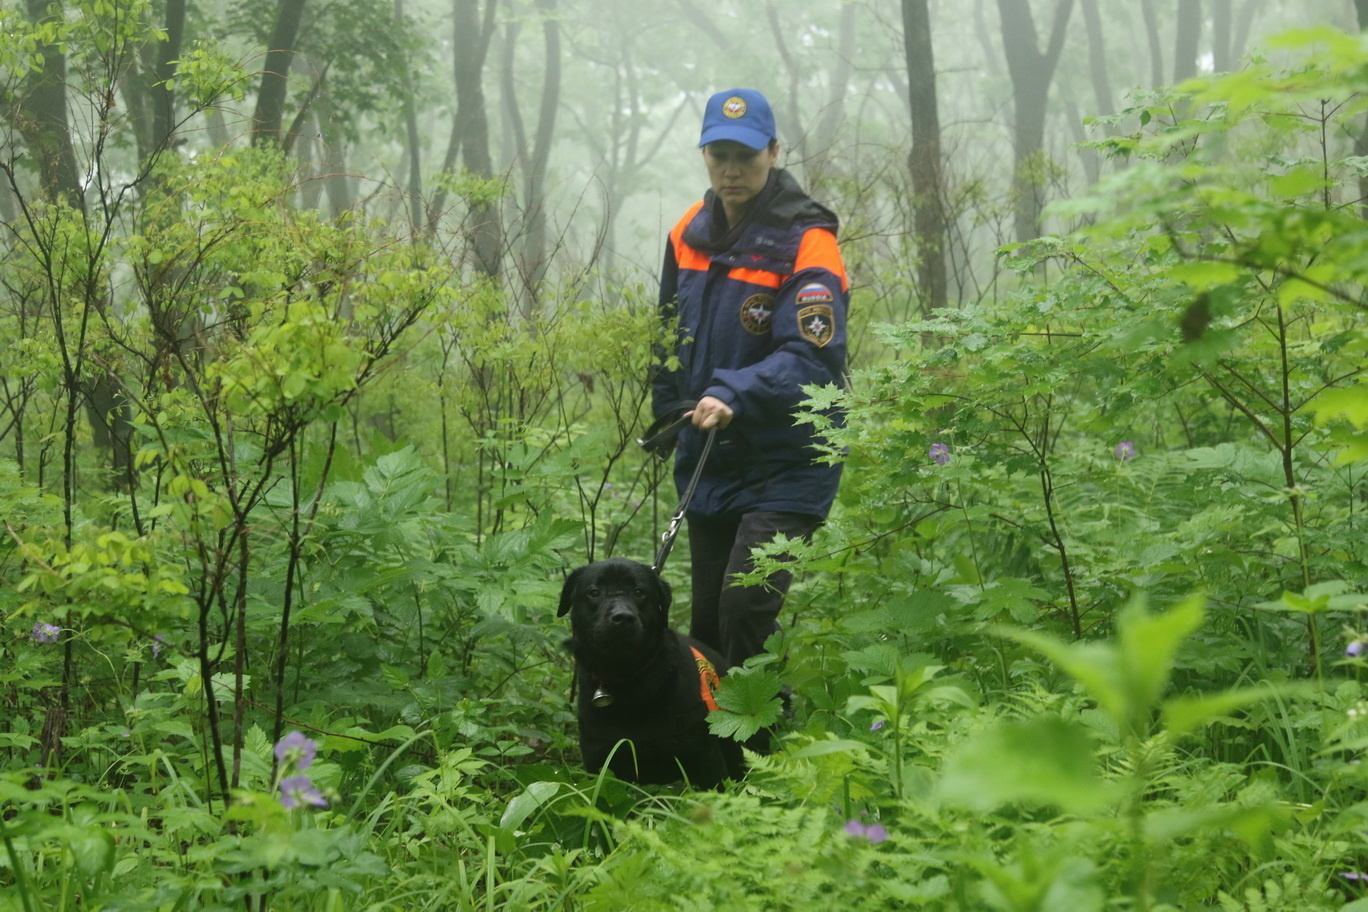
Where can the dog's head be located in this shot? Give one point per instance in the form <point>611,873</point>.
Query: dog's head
<point>617,607</point>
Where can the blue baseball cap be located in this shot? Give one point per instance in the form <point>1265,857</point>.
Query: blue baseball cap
<point>741,115</point>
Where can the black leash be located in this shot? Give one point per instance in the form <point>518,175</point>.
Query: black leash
<point>667,540</point>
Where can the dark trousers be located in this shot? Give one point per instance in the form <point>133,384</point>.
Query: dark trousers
<point>736,620</point>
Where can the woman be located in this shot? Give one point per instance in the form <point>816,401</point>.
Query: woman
<point>753,276</point>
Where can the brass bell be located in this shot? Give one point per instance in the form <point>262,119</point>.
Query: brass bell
<point>602,698</point>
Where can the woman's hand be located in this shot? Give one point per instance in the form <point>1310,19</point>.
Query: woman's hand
<point>710,413</point>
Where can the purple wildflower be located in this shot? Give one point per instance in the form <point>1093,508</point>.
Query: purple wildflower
<point>1354,649</point>
<point>874,832</point>
<point>1125,451</point>
<point>939,453</point>
<point>299,790</point>
<point>46,633</point>
<point>297,749</point>
<point>877,725</point>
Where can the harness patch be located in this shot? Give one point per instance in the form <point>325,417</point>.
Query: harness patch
<point>756,313</point>
<point>708,679</point>
<point>817,324</point>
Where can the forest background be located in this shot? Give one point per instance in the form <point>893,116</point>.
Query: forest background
<point>325,328</point>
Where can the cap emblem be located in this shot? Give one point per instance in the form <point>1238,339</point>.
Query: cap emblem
<point>734,107</point>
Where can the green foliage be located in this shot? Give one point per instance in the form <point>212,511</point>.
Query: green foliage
<point>353,476</point>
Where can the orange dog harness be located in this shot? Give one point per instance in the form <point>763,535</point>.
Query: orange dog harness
<point>708,679</point>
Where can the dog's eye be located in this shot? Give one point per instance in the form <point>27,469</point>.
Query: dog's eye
<point>639,592</point>
<point>594,592</point>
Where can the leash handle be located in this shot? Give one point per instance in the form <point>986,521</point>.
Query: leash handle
<point>667,540</point>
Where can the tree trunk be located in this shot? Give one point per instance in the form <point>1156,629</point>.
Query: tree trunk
<point>270,108</point>
<point>332,158</point>
<point>795,132</point>
<point>417,217</point>
<point>1187,39</point>
<point>533,266</point>
<point>41,116</point>
<point>163,97</point>
<point>1155,49</point>
<point>1361,141</point>
<point>924,160</point>
<point>1097,62</point>
<point>981,31</point>
<point>828,124</point>
<point>307,151</point>
<point>1248,13</point>
<point>1222,15</point>
<point>469,141</point>
<point>1032,72</point>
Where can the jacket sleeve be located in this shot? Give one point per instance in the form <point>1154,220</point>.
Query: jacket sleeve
<point>808,336</point>
<point>664,382</point>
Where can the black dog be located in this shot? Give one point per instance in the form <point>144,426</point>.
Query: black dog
<point>640,681</point>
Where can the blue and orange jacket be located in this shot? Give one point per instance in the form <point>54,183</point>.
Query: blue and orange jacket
<point>761,312</point>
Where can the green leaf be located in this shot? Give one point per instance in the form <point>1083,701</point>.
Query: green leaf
<point>92,848</point>
<point>748,701</point>
<point>1184,714</point>
<point>536,795</point>
<point>1127,677</point>
<point>1149,643</point>
<point>1350,402</point>
<point>1045,760</point>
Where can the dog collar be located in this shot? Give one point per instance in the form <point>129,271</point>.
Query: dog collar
<point>708,682</point>
<point>708,679</point>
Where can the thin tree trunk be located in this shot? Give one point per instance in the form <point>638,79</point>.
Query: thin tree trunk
<point>1245,24</point>
<point>417,217</point>
<point>163,96</point>
<point>1361,141</point>
<point>332,158</point>
<point>1155,49</point>
<point>981,32</point>
<point>42,119</point>
<point>534,234</point>
<point>833,113</point>
<point>924,160</point>
<point>469,142</point>
<point>1187,39</point>
<point>1032,72</point>
<point>306,151</point>
<point>1098,70</point>
<point>1222,18</point>
<point>796,132</point>
<point>270,108</point>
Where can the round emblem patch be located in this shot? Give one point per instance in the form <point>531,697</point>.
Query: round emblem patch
<point>756,313</point>
<point>734,107</point>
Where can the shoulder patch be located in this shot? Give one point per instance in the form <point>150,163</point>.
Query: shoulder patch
<point>756,313</point>
<point>814,293</point>
<point>817,323</point>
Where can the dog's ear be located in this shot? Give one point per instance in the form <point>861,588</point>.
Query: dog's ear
<point>662,594</point>
<point>568,592</point>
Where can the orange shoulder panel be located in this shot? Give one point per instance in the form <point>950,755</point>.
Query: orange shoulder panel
<point>685,256</point>
<point>756,277</point>
<point>818,250</point>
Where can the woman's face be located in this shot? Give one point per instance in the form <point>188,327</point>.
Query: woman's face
<point>737,172</point>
